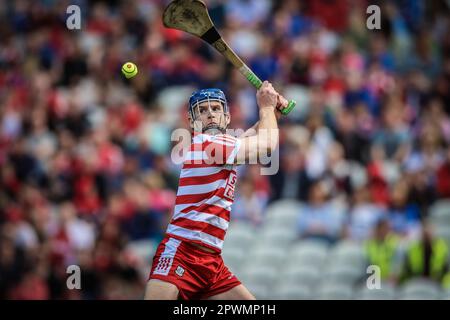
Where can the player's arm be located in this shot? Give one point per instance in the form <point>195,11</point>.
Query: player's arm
<point>264,142</point>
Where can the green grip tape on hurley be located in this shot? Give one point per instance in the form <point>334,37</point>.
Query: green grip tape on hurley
<point>289,107</point>
<point>257,83</point>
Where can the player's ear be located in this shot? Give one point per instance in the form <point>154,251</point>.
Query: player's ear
<point>191,122</point>
<point>195,125</point>
<point>227,119</point>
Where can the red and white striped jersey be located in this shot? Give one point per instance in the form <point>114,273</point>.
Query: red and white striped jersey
<point>206,191</point>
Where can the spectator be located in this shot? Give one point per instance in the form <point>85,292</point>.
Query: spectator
<point>320,218</point>
<point>393,137</point>
<point>355,144</point>
<point>12,265</point>
<point>422,192</point>
<point>383,249</point>
<point>403,216</point>
<point>79,233</point>
<point>145,221</point>
<point>249,205</point>
<point>428,257</point>
<point>364,215</point>
<point>443,177</point>
<point>321,140</point>
<point>247,13</point>
<point>291,180</point>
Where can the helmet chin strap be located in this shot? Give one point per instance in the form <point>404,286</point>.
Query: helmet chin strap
<point>214,129</point>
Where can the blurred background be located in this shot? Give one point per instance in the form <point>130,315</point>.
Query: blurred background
<point>86,176</point>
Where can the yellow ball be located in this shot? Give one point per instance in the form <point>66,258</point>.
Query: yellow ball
<point>129,70</point>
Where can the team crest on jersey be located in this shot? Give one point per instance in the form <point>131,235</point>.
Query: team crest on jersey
<point>163,266</point>
<point>229,189</point>
<point>179,271</point>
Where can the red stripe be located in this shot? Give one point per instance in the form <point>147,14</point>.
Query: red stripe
<point>224,139</point>
<point>211,209</point>
<point>216,154</point>
<point>188,181</point>
<point>227,139</point>
<point>223,144</point>
<point>199,226</point>
<point>220,143</point>
<point>226,136</point>
<point>192,164</point>
<point>214,160</point>
<point>200,146</point>
<point>186,240</point>
<point>194,198</point>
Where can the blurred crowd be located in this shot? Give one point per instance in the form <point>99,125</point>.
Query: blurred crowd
<point>85,154</point>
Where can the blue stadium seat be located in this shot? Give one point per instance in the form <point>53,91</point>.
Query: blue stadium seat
<point>385,292</point>
<point>334,292</point>
<point>419,289</point>
<point>292,292</point>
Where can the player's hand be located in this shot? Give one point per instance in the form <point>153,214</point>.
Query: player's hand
<point>281,103</point>
<point>266,96</point>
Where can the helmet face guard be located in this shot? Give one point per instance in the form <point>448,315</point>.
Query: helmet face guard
<point>207,95</point>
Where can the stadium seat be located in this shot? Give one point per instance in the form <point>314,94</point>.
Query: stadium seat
<point>349,253</point>
<point>280,236</point>
<point>420,289</point>
<point>298,275</point>
<point>283,213</point>
<point>292,292</point>
<point>240,234</point>
<point>144,249</point>
<point>258,273</point>
<point>270,255</point>
<point>443,231</point>
<point>440,218</point>
<point>233,257</point>
<point>385,292</point>
<point>311,252</point>
<point>333,292</point>
<point>237,242</point>
<point>296,261</point>
<point>440,211</point>
<point>260,291</point>
<point>288,219</point>
<point>343,274</point>
<point>445,295</point>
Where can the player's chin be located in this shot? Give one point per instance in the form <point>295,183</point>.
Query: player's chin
<point>213,129</point>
